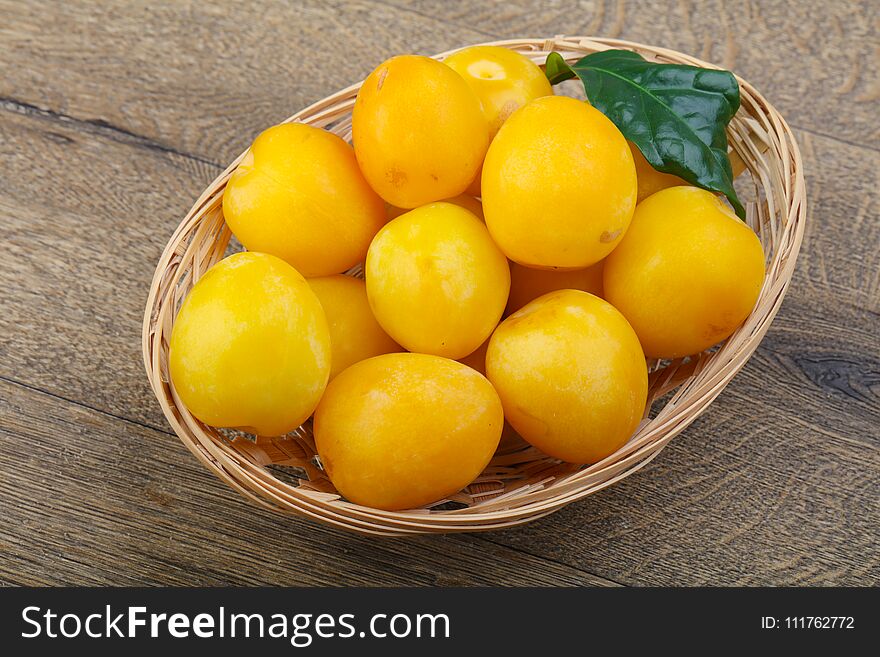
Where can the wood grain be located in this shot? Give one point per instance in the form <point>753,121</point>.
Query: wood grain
<point>81,257</point>
<point>201,78</point>
<point>106,137</point>
<point>776,495</point>
<point>205,78</point>
<point>812,58</point>
<point>97,500</point>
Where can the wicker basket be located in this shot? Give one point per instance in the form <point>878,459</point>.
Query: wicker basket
<point>520,484</point>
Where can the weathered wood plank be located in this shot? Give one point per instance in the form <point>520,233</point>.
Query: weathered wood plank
<point>90,499</point>
<point>840,260</point>
<point>82,254</point>
<point>209,77</point>
<point>776,484</point>
<point>70,322</point>
<point>204,78</point>
<point>816,61</point>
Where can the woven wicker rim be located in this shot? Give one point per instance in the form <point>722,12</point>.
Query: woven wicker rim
<point>520,484</point>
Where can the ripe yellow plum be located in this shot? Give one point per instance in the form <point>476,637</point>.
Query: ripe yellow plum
<point>436,281</point>
<point>559,185</point>
<point>403,430</point>
<point>570,374</point>
<point>354,333</point>
<point>649,179</point>
<point>527,284</point>
<point>477,358</point>
<point>504,81</point>
<point>250,347</point>
<point>462,200</point>
<point>687,273</point>
<point>299,195</point>
<point>419,131</point>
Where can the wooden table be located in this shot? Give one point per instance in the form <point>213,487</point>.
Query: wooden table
<point>114,117</point>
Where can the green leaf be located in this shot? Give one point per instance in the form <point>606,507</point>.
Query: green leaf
<point>676,115</point>
<point>557,69</point>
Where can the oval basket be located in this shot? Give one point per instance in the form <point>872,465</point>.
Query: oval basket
<point>520,484</point>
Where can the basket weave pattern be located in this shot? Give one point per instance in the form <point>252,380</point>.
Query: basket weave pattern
<point>520,484</point>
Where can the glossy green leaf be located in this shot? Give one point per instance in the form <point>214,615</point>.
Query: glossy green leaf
<point>676,115</point>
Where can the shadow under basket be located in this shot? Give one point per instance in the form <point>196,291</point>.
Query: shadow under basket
<point>520,484</point>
